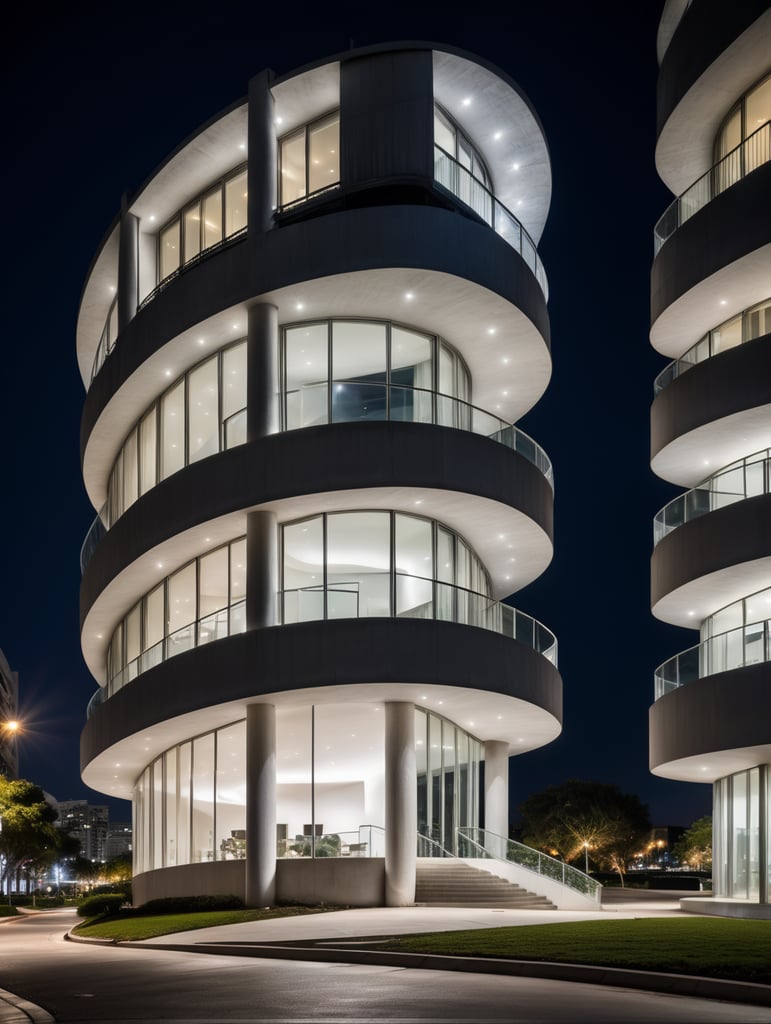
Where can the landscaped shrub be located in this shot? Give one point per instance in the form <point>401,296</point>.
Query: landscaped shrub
<point>191,904</point>
<point>104,903</point>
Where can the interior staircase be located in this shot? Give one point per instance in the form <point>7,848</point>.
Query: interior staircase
<point>447,882</point>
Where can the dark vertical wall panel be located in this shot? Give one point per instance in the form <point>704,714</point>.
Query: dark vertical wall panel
<point>386,117</point>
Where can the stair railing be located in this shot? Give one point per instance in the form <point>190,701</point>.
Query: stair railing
<point>431,848</point>
<point>479,842</point>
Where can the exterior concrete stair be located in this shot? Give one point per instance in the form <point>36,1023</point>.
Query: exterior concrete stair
<point>447,882</point>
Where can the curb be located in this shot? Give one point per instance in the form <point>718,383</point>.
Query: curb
<point>672,984</point>
<point>15,1010</point>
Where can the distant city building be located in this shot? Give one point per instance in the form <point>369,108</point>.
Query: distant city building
<point>119,840</point>
<point>9,709</point>
<point>88,823</point>
<point>711,431</point>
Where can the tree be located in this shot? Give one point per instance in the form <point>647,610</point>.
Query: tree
<point>118,869</point>
<point>27,832</point>
<point>694,847</point>
<point>581,821</point>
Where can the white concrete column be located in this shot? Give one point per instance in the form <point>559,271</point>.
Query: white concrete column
<point>260,805</point>
<point>401,805</point>
<point>262,385</point>
<point>128,266</point>
<point>497,787</point>
<point>261,569</point>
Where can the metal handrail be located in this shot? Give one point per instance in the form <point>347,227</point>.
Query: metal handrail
<point>510,851</point>
<point>449,173</point>
<point>434,848</point>
<point>736,648</point>
<point>750,154</point>
<point>188,264</point>
<point>465,607</point>
<point>444,410</point>
<point>704,348</point>
<point>700,501</point>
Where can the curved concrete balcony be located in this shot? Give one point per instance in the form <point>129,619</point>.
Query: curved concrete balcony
<point>714,54</point>
<point>746,326</point>
<point>725,652</point>
<point>495,497</point>
<point>744,479</point>
<point>715,264</point>
<point>444,602</point>
<point>712,727</point>
<point>711,561</point>
<point>498,686</point>
<point>713,415</point>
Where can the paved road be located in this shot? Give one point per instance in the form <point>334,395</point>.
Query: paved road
<point>78,983</point>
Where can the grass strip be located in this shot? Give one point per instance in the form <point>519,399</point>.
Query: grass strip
<point>707,946</point>
<point>121,929</point>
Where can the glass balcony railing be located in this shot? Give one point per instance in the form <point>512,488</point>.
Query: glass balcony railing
<point>470,190</point>
<point>745,326</point>
<point>358,401</point>
<point>355,401</point>
<point>215,626</point>
<point>747,478</point>
<point>737,648</point>
<point>736,165</point>
<point>400,595</point>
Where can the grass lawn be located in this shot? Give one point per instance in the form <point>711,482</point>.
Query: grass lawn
<point>123,928</point>
<point>707,946</point>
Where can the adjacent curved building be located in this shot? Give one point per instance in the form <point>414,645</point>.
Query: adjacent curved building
<point>711,428</point>
<point>304,342</point>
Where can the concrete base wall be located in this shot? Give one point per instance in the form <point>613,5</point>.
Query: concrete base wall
<point>342,881</point>
<point>223,877</point>
<point>718,907</point>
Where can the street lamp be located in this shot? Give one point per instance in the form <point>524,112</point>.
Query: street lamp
<point>586,857</point>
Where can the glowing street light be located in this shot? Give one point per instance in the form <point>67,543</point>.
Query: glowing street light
<point>586,857</point>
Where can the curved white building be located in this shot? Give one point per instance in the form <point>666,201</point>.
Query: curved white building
<point>711,429</point>
<point>305,341</point>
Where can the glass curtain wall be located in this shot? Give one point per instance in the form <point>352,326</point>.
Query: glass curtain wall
<point>204,600</point>
<point>202,413</point>
<point>355,370</point>
<point>737,635</point>
<point>217,214</point>
<point>447,778</point>
<point>190,803</point>
<point>739,846</point>
<point>373,563</point>
<point>309,159</point>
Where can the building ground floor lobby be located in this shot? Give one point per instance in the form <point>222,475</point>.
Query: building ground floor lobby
<point>330,802</point>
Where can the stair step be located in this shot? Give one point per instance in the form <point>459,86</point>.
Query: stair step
<point>449,883</point>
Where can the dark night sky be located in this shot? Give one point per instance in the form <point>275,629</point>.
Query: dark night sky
<point>94,101</point>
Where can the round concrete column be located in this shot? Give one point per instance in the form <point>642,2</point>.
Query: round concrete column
<point>401,805</point>
<point>262,414</point>
<point>260,805</point>
<point>261,569</point>
<point>497,787</point>
<point>262,172</point>
<point>128,266</point>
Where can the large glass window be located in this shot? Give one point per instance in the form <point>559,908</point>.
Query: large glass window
<point>379,370</point>
<point>309,159</point>
<point>194,423</point>
<point>201,602</point>
<point>218,214</point>
<point>737,835</point>
<point>743,123</point>
<point>339,565</point>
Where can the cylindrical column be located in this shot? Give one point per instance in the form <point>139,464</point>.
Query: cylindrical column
<point>260,805</point>
<point>262,414</point>
<point>262,174</point>
<point>261,569</point>
<point>497,787</point>
<point>128,266</point>
<point>401,805</point>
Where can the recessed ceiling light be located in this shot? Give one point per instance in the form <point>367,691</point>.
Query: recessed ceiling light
<point>497,135</point>
<point>242,146</point>
<point>467,101</point>
<point>724,302</point>
<point>299,305</point>
<point>279,120</point>
<point>168,373</point>
<point>409,295</point>
<point>491,330</point>
<point>152,216</point>
<point>515,167</point>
